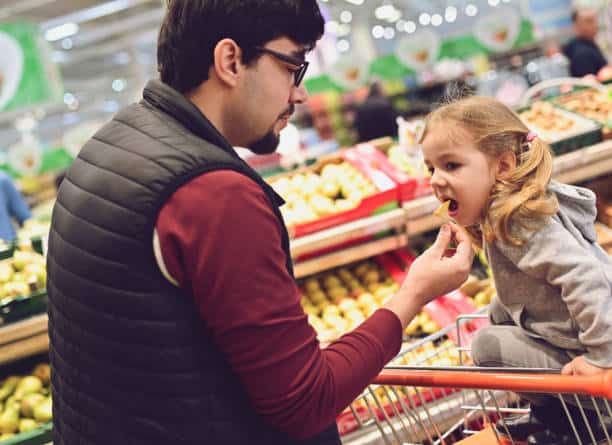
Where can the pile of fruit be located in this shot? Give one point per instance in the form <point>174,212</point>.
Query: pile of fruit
<point>310,196</point>
<point>33,229</point>
<point>593,104</point>
<point>22,274</point>
<point>338,301</point>
<point>545,118</point>
<point>25,402</point>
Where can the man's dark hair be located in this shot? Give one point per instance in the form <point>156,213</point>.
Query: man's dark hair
<point>575,13</point>
<point>192,28</point>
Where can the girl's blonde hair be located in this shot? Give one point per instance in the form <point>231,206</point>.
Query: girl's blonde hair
<point>520,200</point>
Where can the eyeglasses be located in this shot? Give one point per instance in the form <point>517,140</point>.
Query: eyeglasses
<point>301,64</point>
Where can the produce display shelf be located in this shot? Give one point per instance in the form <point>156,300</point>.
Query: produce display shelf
<point>354,230</point>
<point>23,338</point>
<point>577,166</point>
<point>349,255</point>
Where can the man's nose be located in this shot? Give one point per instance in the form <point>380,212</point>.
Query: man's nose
<point>298,94</point>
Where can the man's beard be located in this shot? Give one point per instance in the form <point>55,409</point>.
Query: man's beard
<point>266,145</point>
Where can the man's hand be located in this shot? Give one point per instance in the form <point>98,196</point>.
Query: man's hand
<point>434,273</point>
<point>579,366</point>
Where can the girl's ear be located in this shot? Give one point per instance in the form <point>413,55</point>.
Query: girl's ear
<point>506,163</point>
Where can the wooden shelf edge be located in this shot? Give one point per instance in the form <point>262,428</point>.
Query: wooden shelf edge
<point>26,328</point>
<point>350,255</point>
<point>346,232</point>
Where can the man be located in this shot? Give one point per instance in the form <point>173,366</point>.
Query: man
<point>583,53</point>
<point>173,314</point>
<point>375,117</point>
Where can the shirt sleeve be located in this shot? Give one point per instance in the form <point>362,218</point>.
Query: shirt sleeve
<point>221,242</point>
<point>553,255</point>
<point>587,61</point>
<point>18,209</point>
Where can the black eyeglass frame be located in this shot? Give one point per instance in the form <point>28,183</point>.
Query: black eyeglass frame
<point>302,65</point>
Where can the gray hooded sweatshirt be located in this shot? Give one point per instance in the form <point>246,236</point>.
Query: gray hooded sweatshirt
<point>558,285</point>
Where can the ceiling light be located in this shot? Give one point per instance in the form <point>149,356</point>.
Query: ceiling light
<point>450,14</point>
<point>119,85</point>
<point>401,25</point>
<point>67,43</point>
<point>384,11</point>
<point>410,27</point>
<point>493,2</point>
<point>61,32</point>
<point>471,10</point>
<point>355,2</point>
<point>424,19</point>
<point>436,20</point>
<point>389,33</point>
<point>343,45</point>
<point>378,31</point>
<point>346,16</point>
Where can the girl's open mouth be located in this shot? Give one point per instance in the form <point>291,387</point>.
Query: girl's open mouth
<point>453,207</point>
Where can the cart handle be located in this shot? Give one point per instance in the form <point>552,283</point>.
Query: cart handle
<point>599,385</point>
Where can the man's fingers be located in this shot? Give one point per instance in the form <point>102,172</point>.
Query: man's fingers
<point>442,241</point>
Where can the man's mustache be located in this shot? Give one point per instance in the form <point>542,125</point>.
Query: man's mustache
<point>288,112</point>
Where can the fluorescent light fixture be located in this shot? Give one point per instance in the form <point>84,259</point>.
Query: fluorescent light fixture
<point>378,31</point>
<point>355,2</point>
<point>436,20</point>
<point>61,32</point>
<point>450,14</point>
<point>389,33</point>
<point>410,27</point>
<point>424,19</point>
<point>343,45</point>
<point>493,2</point>
<point>346,16</point>
<point>471,10</point>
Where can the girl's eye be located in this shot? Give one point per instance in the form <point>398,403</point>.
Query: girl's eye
<point>451,165</point>
<point>431,170</point>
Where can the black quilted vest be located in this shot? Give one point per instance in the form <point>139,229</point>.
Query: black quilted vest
<point>132,363</point>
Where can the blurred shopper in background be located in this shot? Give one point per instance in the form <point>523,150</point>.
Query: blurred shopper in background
<point>174,316</point>
<point>375,116</point>
<point>582,51</point>
<point>12,208</point>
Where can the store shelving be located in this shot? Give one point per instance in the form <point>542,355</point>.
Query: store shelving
<point>23,338</point>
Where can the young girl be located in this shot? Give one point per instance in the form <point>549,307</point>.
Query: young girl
<point>554,283</point>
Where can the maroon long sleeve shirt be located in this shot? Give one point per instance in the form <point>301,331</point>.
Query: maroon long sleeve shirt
<point>220,241</point>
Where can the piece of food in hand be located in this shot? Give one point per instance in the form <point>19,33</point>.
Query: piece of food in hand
<point>442,211</point>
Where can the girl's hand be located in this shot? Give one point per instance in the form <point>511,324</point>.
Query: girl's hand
<point>579,366</point>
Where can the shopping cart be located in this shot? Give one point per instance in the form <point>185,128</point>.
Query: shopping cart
<point>430,395</point>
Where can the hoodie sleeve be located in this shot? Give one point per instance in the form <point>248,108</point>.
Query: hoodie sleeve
<point>553,255</point>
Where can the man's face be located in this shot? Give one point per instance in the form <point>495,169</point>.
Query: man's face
<point>586,24</point>
<point>270,95</point>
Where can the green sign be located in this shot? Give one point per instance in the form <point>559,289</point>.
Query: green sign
<point>389,67</point>
<point>28,76</point>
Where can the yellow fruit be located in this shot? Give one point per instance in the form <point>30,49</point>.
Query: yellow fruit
<point>335,293</point>
<point>366,299</point>
<point>371,276</point>
<point>347,304</point>
<point>318,297</point>
<point>430,327</point>
<point>311,285</point>
<point>329,189</point>
<point>331,311</point>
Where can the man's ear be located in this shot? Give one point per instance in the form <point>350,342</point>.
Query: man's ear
<point>227,61</point>
<point>506,163</point>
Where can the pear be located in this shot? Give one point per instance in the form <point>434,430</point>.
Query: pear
<point>6,436</point>
<point>29,402</point>
<point>43,372</point>
<point>6,271</point>
<point>8,387</point>
<point>9,420</point>
<point>28,385</point>
<point>43,412</point>
<point>26,425</point>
